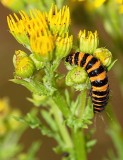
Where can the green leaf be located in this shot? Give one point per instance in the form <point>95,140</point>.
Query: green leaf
<point>116,134</point>
<point>32,121</point>
<point>88,113</point>
<point>33,150</point>
<point>111,155</point>
<point>38,100</point>
<point>49,119</point>
<point>69,66</point>
<point>67,97</point>
<point>91,143</point>
<point>61,103</point>
<point>9,146</point>
<point>75,105</point>
<point>111,65</point>
<point>46,131</point>
<point>34,86</point>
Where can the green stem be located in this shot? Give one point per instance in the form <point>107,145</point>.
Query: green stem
<point>60,123</point>
<point>83,103</point>
<point>79,145</point>
<point>57,97</point>
<point>61,104</point>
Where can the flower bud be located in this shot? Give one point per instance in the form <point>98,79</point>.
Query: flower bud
<point>88,42</point>
<point>18,56</point>
<point>24,66</point>
<point>77,78</point>
<point>59,21</point>
<point>63,46</point>
<point>104,55</point>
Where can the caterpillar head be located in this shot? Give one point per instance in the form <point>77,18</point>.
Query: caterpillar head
<point>69,58</point>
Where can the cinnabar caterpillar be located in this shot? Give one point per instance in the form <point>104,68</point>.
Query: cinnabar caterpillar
<point>97,75</point>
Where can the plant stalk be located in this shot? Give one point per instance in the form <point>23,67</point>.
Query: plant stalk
<point>61,104</point>
<point>83,103</point>
<point>61,125</point>
<point>79,144</point>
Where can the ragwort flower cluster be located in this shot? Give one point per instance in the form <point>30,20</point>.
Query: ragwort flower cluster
<point>46,35</point>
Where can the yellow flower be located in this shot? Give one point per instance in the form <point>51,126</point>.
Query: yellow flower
<point>4,108</point>
<point>63,46</point>
<point>41,39</point>
<point>22,28</point>
<point>59,21</point>
<point>18,27</point>
<point>42,46</point>
<point>55,21</point>
<point>40,32</point>
<point>88,41</point>
<point>37,23</point>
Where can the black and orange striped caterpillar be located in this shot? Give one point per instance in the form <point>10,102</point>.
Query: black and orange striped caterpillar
<point>98,78</point>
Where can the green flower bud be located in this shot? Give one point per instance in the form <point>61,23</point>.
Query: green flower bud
<point>63,46</point>
<point>88,42</point>
<point>24,66</point>
<point>77,78</point>
<point>104,55</point>
<point>18,56</point>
